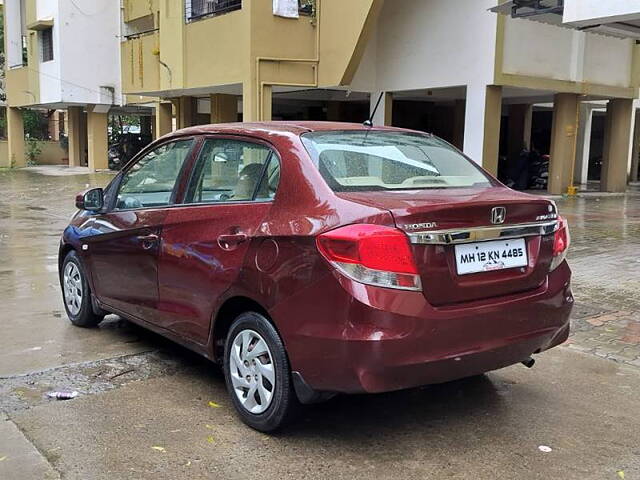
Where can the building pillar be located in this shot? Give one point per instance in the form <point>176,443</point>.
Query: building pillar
<point>77,139</point>
<point>384,114</point>
<point>145,126</point>
<point>15,137</point>
<point>185,111</point>
<point>458,124</point>
<point>617,140</point>
<point>224,108</point>
<point>164,119</point>
<point>266,99</point>
<point>97,140</point>
<point>634,175</point>
<point>483,113</point>
<point>563,142</point>
<point>583,145</point>
<point>520,117</point>
<point>248,103</point>
<point>61,123</point>
<point>256,108</point>
<point>54,125</point>
<point>83,139</point>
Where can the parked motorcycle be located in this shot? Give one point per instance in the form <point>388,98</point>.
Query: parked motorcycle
<point>538,171</point>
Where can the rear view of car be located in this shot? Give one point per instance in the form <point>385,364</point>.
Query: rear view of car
<point>463,277</point>
<point>310,259</point>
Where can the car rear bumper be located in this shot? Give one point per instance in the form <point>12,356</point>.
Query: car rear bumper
<point>358,346</point>
<point>399,369</point>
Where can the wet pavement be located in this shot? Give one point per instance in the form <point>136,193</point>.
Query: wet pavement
<point>34,209</point>
<point>605,236</point>
<point>143,410</point>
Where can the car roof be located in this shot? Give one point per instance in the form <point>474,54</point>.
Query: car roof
<point>272,129</point>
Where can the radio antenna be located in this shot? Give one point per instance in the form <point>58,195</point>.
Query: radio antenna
<point>369,121</point>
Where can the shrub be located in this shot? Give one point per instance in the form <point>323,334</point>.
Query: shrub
<point>33,149</point>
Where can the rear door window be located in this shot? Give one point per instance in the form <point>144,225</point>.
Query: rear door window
<point>233,171</point>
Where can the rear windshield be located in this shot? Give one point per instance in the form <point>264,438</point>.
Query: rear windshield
<point>352,161</point>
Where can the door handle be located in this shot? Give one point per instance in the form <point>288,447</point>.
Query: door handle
<point>230,242</point>
<point>148,241</point>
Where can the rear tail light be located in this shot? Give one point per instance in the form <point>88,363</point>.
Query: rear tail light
<point>371,254</point>
<point>561,239</point>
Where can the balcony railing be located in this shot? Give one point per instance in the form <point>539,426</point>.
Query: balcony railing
<point>195,9</point>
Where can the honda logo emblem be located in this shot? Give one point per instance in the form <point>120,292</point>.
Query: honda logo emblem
<point>498,215</point>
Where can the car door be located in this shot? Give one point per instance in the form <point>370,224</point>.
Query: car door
<point>123,252</point>
<point>204,241</point>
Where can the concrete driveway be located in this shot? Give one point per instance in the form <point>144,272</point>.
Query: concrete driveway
<point>149,409</point>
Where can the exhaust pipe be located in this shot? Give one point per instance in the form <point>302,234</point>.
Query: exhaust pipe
<point>529,362</point>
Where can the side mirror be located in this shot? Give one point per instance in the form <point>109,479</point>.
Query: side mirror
<point>90,200</point>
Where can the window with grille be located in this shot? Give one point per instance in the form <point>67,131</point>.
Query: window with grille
<point>196,9</point>
<point>46,44</point>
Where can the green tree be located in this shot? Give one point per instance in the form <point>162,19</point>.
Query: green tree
<point>119,124</point>
<point>35,124</point>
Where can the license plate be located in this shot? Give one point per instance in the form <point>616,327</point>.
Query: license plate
<point>489,256</point>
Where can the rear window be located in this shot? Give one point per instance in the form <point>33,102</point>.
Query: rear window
<point>361,160</point>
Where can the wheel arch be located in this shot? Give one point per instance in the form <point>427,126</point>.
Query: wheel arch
<point>227,313</point>
<point>63,251</point>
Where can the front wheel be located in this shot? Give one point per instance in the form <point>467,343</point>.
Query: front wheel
<point>77,294</point>
<point>257,373</point>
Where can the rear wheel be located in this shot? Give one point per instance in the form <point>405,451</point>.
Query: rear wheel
<point>257,373</point>
<point>77,294</point>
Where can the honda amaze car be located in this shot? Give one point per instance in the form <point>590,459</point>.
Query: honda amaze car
<point>310,259</point>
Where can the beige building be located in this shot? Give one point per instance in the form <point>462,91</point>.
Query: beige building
<point>490,83</point>
<point>223,60</point>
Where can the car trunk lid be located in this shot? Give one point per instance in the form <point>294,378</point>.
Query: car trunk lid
<point>462,211</point>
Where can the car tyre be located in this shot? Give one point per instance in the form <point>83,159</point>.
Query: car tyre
<point>76,293</point>
<point>263,405</point>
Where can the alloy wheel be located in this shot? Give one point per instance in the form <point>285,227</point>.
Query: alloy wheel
<point>252,371</point>
<point>72,284</point>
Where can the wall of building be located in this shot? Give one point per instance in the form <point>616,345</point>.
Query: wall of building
<point>22,80</point>
<point>52,154</point>
<point>608,60</point>
<point>414,48</point>
<point>20,88</point>
<point>553,52</point>
<point>91,63</point>
<point>13,33</point>
<point>85,51</point>
<point>249,46</point>
<point>226,37</point>
<point>140,63</point>
<point>49,73</point>
<point>345,32</point>
<point>590,12</point>
<point>135,9</point>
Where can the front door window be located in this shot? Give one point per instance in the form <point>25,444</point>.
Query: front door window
<point>151,181</point>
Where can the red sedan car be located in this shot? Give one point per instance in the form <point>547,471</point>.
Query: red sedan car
<point>311,259</point>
